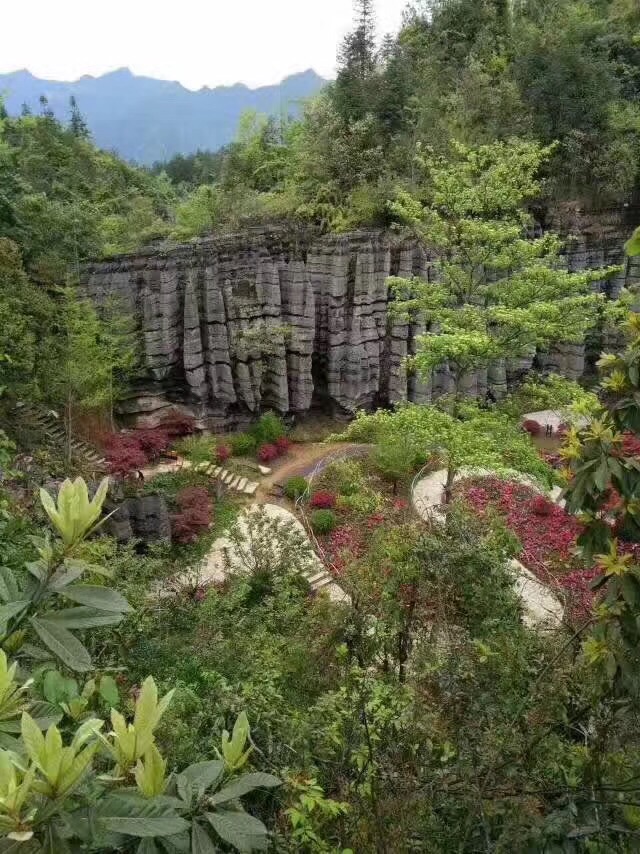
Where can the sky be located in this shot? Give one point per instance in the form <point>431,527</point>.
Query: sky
<point>197,42</point>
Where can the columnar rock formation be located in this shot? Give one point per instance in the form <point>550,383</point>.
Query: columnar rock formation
<point>267,319</point>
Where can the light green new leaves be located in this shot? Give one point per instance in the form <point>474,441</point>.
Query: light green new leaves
<point>130,742</point>
<point>60,769</point>
<point>150,773</point>
<point>75,515</point>
<point>235,756</point>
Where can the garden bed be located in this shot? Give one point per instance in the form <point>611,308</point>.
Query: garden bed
<point>547,534</point>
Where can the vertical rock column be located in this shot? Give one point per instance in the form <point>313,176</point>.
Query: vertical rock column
<point>298,315</point>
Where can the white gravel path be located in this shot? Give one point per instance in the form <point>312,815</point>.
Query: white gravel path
<point>541,606</point>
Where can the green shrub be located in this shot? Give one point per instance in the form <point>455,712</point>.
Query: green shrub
<point>243,445</point>
<point>295,487</point>
<point>364,503</point>
<point>197,449</point>
<point>323,521</point>
<point>344,476</point>
<point>267,429</point>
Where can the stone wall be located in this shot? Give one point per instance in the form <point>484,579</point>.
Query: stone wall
<point>269,319</point>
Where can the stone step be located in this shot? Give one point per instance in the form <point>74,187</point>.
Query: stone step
<point>233,483</point>
<point>227,478</point>
<point>241,485</point>
<point>216,471</point>
<point>250,488</point>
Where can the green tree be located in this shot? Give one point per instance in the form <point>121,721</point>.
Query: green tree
<point>25,311</point>
<point>473,438</point>
<point>494,292</point>
<point>90,359</point>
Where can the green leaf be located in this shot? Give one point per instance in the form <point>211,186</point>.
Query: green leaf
<point>91,568</point>
<point>102,598</point>
<point>62,644</point>
<point>201,841</point>
<point>9,589</point>
<point>240,829</point>
<point>11,610</point>
<point>203,775</point>
<point>145,826</point>
<point>242,786</point>
<point>109,690</point>
<point>83,617</point>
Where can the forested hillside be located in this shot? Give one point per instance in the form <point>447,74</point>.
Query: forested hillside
<point>143,119</point>
<point>331,628</point>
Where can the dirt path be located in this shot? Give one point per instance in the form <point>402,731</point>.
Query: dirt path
<point>300,461</point>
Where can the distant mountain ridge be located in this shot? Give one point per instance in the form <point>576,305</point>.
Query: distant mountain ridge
<point>145,119</point>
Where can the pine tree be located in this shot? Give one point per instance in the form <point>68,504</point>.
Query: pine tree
<point>357,65</point>
<point>45,110</point>
<point>77,124</point>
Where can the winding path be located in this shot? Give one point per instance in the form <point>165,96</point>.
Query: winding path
<point>541,606</point>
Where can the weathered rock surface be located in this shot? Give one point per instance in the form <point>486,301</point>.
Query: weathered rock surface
<point>144,518</point>
<point>269,319</point>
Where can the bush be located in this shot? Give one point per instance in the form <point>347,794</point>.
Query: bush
<point>153,441</point>
<point>124,454</point>
<point>323,500</point>
<point>268,429</point>
<point>283,445</point>
<point>345,476</point>
<point>223,452</point>
<point>177,424</point>
<point>532,427</point>
<point>243,445</point>
<point>267,453</point>
<point>194,516</point>
<point>295,487</point>
<point>323,521</point>
<point>363,503</point>
<point>197,449</point>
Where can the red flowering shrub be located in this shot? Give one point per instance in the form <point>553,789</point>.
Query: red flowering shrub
<point>323,500</point>
<point>223,452</point>
<point>532,427</point>
<point>283,445</point>
<point>194,515</point>
<point>153,441</point>
<point>541,506</point>
<point>267,453</point>
<point>177,424</point>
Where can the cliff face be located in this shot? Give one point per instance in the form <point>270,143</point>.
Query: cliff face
<point>267,319</point>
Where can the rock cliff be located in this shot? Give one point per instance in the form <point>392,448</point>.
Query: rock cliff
<point>270,319</point>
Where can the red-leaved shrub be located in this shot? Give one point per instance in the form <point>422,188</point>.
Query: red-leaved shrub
<point>194,515</point>
<point>153,441</point>
<point>192,496</point>
<point>223,452</point>
<point>267,453</point>
<point>177,425</point>
<point>124,453</point>
<point>283,445</point>
<point>323,500</point>
<point>532,427</point>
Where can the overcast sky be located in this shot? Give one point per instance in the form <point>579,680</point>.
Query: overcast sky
<point>198,42</point>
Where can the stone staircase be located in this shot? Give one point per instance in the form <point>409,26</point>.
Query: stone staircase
<point>51,426</point>
<point>232,481</point>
